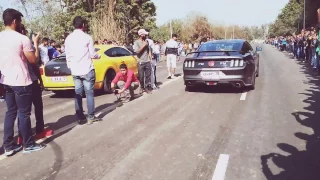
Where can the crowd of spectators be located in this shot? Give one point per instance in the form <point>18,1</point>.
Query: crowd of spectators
<point>304,46</point>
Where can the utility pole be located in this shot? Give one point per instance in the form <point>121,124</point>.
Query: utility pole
<point>170,29</point>
<point>225,33</point>
<point>304,16</point>
<point>233,33</point>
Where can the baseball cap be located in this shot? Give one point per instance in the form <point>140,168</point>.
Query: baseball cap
<point>142,32</point>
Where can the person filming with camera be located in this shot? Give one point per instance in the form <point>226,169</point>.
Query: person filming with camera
<point>125,82</point>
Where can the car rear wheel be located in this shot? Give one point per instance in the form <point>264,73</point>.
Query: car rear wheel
<point>107,81</point>
<point>61,93</point>
<point>189,88</point>
<point>253,85</point>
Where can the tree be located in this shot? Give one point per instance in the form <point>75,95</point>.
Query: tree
<point>1,23</point>
<point>135,14</point>
<point>287,20</point>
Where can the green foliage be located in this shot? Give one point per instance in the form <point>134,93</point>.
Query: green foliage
<point>288,20</point>
<point>291,18</point>
<point>134,15</point>
<point>54,18</point>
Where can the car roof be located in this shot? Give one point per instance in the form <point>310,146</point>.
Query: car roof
<point>105,46</point>
<point>100,47</point>
<point>227,41</point>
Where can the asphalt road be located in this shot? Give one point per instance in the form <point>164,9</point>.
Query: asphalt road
<point>214,134</point>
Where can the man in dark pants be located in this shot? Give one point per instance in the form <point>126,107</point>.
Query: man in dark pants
<point>17,50</point>
<point>37,88</point>
<point>142,48</point>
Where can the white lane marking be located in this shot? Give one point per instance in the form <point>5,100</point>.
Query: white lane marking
<point>243,96</point>
<point>48,94</point>
<point>221,168</point>
<point>2,157</point>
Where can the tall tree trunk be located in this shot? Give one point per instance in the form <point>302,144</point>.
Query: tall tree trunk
<point>318,15</point>
<point>112,4</point>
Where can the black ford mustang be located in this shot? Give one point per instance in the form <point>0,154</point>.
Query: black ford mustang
<point>222,62</point>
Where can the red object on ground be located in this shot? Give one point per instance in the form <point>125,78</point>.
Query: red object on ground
<point>43,134</point>
<point>19,140</point>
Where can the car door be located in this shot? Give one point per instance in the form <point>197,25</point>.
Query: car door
<point>249,59</point>
<point>129,60</point>
<point>115,54</point>
<point>254,55</point>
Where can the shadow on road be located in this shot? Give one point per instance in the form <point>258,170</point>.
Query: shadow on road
<point>228,89</point>
<point>300,165</point>
<point>68,94</point>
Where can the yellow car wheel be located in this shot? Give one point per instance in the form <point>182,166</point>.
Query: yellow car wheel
<point>107,81</point>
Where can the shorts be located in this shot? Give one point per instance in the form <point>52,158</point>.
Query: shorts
<point>171,61</point>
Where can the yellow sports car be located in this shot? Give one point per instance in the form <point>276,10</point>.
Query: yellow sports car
<point>57,77</point>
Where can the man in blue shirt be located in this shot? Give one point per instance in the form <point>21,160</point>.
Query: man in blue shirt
<point>51,49</point>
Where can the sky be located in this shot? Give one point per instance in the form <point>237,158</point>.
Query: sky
<point>229,12</point>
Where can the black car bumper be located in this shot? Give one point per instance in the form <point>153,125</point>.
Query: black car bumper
<point>241,76</point>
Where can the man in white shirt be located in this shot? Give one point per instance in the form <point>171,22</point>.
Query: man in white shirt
<point>44,51</point>
<point>79,54</point>
<point>172,53</point>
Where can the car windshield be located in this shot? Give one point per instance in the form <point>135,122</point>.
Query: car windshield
<point>221,46</point>
<point>61,58</point>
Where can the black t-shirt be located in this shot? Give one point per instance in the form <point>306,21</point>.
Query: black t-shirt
<point>309,41</point>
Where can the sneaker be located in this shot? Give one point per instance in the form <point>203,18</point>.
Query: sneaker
<point>148,90</point>
<point>169,77</point>
<point>141,90</point>
<point>33,148</point>
<point>15,148</point>
<point>94,120</point>
<point>82,119</point>
<point>126,100</point>
<point>44,133</point>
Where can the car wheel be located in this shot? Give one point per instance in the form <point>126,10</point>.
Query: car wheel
<point>59,93</point>
<point>253,85</point>
<point>189,88</point>
<point>107,81</point>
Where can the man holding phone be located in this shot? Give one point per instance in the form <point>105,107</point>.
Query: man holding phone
<point>143,50</point>
<point>126,81</point>
<point>16,53</point>
<point>37,88</point>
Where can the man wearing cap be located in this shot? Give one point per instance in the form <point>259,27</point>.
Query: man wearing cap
<point>142,48</point>
<point>171,53</point>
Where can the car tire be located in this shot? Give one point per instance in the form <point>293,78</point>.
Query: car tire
<point>59,93</point>
<point>107,81</point>
<point>253,85</point>
<point>189,88</point>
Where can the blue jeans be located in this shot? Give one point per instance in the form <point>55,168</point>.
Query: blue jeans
<point>314,58</point>
<point>85,83</point>
<point>19,101</point>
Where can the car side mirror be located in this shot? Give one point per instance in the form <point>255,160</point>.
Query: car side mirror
<point>259,49</point>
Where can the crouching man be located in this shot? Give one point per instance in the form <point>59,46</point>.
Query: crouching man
<point>125,82</point>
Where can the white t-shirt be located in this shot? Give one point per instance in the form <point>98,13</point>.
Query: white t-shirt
<point>157,49</point>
